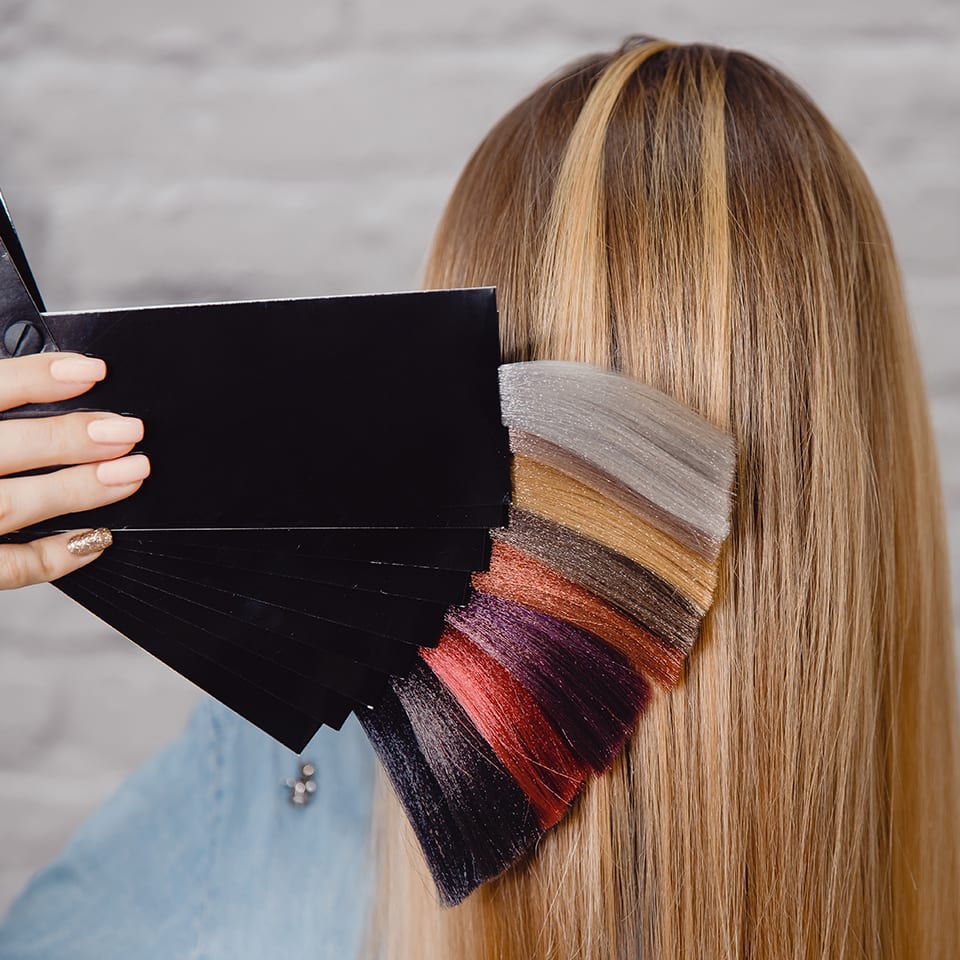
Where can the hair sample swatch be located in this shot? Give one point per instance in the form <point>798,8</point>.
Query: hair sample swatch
<point>486,819</point>
<point>627,585</point>
<point>515,575</point>
<point>551,658</point>
<point>553,495</point>
<point>646,440</point>
<point>511,721</point>
<point>443,844</point>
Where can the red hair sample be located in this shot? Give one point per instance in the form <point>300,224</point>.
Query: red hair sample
<point>509,719</point>
<point>517,576</point>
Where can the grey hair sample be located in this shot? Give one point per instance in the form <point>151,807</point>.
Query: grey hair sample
<point>642,438</point>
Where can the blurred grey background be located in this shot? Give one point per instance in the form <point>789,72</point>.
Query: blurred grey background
<point>221,149</point>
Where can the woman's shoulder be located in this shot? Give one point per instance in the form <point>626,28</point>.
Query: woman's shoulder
<point>202,852</point>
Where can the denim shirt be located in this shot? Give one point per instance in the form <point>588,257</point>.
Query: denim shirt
<point>201,854</point>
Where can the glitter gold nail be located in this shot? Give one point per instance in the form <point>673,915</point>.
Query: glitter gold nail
<point>91,541</point>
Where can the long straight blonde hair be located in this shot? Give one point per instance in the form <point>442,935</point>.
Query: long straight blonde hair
<point>685,214</point>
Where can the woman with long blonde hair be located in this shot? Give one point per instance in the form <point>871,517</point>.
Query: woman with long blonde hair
<point>684,214</point>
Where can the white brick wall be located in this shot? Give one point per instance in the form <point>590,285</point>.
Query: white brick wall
<point>226,148</point>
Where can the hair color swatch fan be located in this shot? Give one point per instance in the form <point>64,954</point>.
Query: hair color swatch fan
<point>354,507</point>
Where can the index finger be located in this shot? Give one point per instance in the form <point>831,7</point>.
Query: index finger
<point>47,377</point>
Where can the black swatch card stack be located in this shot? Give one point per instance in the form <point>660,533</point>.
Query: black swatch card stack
<point>324,475</point>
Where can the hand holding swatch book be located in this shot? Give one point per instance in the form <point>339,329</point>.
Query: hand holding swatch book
<point>355,506</point>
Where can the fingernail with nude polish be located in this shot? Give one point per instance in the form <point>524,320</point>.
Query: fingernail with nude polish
<point>90,541</point>
<point>125,470</point>
<point>78,369</point>
<point>115,430</point>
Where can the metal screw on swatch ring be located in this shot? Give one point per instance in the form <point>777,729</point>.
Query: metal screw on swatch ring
<point>303,787</point>
<point>21,338</point>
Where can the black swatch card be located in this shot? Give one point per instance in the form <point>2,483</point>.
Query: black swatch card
<point>369,411</point>
<point>324,475</point>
